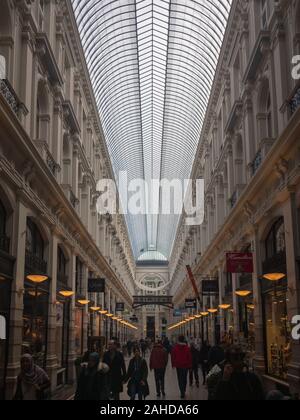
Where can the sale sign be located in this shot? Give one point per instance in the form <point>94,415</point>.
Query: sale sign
<point>239,262</point>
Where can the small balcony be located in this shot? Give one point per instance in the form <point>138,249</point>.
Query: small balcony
<point>233,200</point>
<point>10,96</point>
<point>255,165</point>
<point>295,102</point>
<point>4,243</point>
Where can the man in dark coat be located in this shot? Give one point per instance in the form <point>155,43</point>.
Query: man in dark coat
<point>137,376</point>
<point>194,371</point>
<point>92,383</point>
<point>117,370</point>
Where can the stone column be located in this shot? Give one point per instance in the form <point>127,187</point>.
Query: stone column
<point>259,360</point>
<point>221,294</point>
<point>72,352</point>
<point>51,362</point>
<point>16,310</point>
<point>236,321</point>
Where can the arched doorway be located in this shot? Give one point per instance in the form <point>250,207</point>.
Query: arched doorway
<point>275,297</point>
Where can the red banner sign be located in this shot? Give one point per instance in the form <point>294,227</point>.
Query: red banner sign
<point>238,262</point>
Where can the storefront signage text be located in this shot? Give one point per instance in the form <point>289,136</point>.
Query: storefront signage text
<point>238,262</point>
<point>191,303</point>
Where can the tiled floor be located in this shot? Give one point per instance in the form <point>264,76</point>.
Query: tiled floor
<point>172,390</point>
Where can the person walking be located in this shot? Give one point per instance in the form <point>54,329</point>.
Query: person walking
<point>117,370</point>
<point>216,355</point>
<point>158,362</point>
<point>194,371</point>
<point>237,383</point>
<point>137,376</point>
<point>203,357</point>
<point>129,348</point>
<point>93,380</point>
<point>32,382</point>
<point>182,361</point>
<point>143,348</point>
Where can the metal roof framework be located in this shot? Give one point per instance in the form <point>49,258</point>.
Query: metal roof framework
<point>152,65</point>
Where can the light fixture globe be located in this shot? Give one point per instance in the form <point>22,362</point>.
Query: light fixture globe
<point>274,276</point>
<point>37,278</point>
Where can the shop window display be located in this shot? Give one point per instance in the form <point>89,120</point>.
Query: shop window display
<point>278,334</point>
<point>35,320</point>
<point>78,331</point>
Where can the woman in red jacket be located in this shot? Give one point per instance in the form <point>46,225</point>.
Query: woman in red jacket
<point>182,361</point>
<point>158,362</point>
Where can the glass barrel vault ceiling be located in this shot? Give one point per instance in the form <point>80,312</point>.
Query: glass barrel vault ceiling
<point>152,64</point>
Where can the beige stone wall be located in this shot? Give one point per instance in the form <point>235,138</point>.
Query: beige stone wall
<point>52,153</point>
<point>249,158</point>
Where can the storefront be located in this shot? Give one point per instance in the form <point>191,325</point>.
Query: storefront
<point>63,308</point>
<point>36,296</point>
<point>6,278</point>
<point>79,330</point>
<point>277,329</point>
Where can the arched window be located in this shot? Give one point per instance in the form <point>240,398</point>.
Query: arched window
<point>42,113</point>
<point>3,218</point>
<point>275,242</point>
<point>265,115</point>
<point>61,266</point>
<point>5,37</point>
<point>34,241</point>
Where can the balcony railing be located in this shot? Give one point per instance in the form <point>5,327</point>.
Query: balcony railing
<point>295,102</point>
<point>10,95</point>
<point>73,199</point>
<point>34,263</point>
<point>233,200</point>
<point>257,162</point>
<point>52,165</point>
<point>4,243</point>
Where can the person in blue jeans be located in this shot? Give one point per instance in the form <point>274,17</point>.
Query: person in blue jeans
<point>137,376</point>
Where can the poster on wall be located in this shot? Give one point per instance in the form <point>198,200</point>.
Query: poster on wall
<point>239,262</point>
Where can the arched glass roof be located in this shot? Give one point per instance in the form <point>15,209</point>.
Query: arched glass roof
<point>153,256</point>
<point>152,64</point>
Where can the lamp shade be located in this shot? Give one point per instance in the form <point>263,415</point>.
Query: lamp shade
<point>204,313</point>
<point>225,306</point>
<point>94,308</point>
<point>37,278</point>
<point>66,293</point>
<point>243,293</point>
<point>274,276</point>
<point>83,301</point>
<point>212,311</point>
